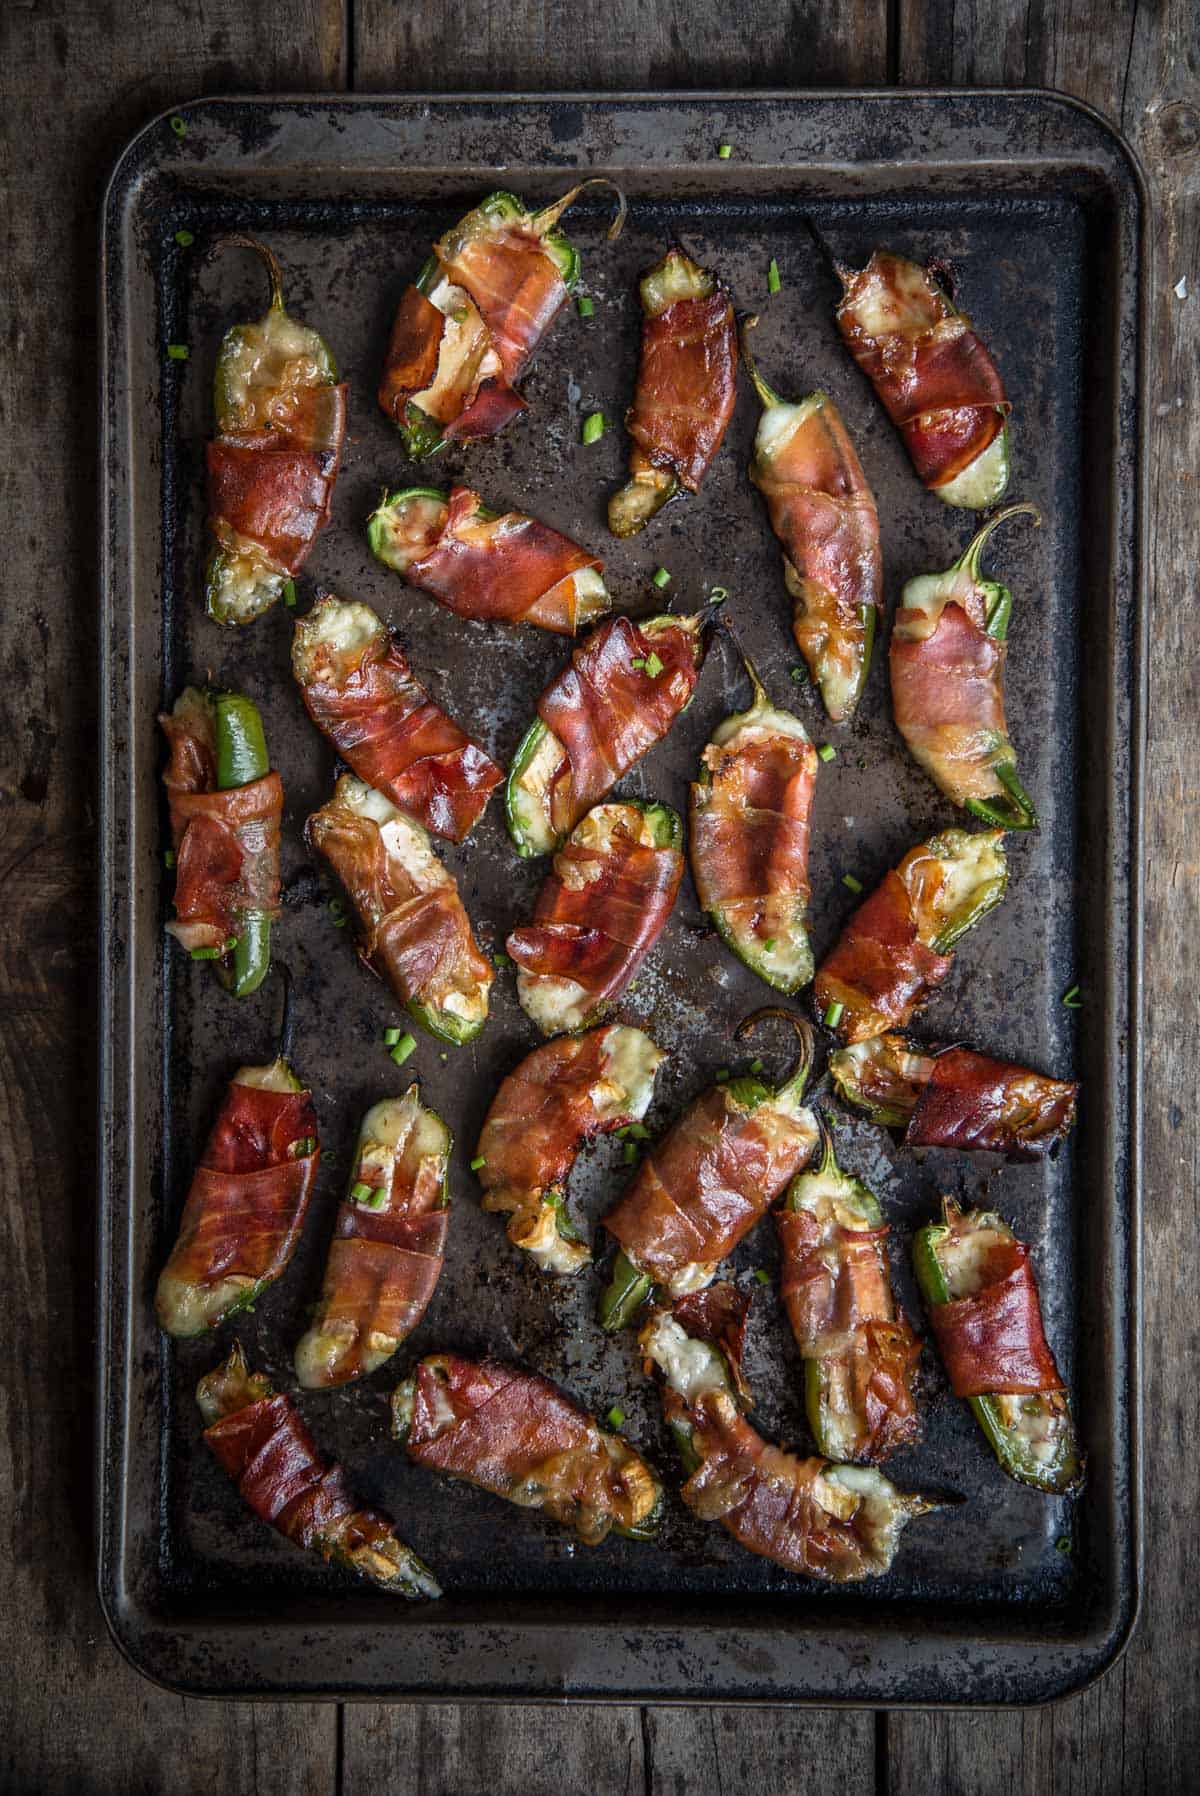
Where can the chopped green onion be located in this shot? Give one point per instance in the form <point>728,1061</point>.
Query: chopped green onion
<point>762,1275</point>
<point>584,306</point>
<point>593,427</point>
<point>184,239</point>
<point>169,858</point>
<point>769,945</point>
<point>615,1416</point>
<point>392,1036</point>
<point>724,151</point>
<point>378,1198</point>
<point>479,1161</point>
<point>307,1144</point>
<point>230,943</point>
<point>629,1153</point>
<point>639,1131</point>
<point>722,1075</point>
<point>851,884</point>
<point>206,954</point>
<point>501,960</point>
<point>800,675</point>
<point>1073,999</point>
<point>756,1067</point>
<point>638,661</point>
<point>833,1014</point>
<point>178,352</point>
<point>336,907</point>
<point>661,577</point>
<point>443,1057</point>
<point>403,1048</point>
<point>773,281</point>
<point>178,125</point>
<point>460,314</point>
<point>289,594</point>
<point>718,595</point>
<point>1063,1544</point>
<point>653,666</point>
<point>827,752</point>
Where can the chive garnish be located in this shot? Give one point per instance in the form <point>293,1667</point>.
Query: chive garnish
<point>773,281</point>
<point>756,1067</point>
<point>584,306</point>
<point>718,595</point>
<point>377,1199</point>
<point>851,884</point>
<point>800,675</point>
<point>762,1275</point>
<point>639,1131</point>
<point>307,1144</point>
<point>360,1190</point>
<point>653,666</point>
<point>178,352</point>
<point>593,427</point>
<point>479,1161</point>
<point>638,661</point>
<point>403,1048</point>
<point>615,1416</point>
<point>722,1075</point>
<point>1073,999</point>
<point>833,1014</point>
<point>629,1153</point>
<point>660,577</point>
<point>206,953</point>
<point>391,1036</point>
<point>724,151</point>
<point>289,594</point>
<point>827,752</point>
<point>169,858</point>
<point>178,125</point>
<point>184,239</point>
<point>769,945</point>
<point>501,960</point>
<point>336,907</point>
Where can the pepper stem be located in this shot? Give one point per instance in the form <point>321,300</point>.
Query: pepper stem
<point>797,1079</point>
<point>268,259</point>
<point>708,613</point>
<point>761,699</point>
<point>971,555</point>
<point>548,217</point>
<point>766,394</point>
<point>1013,810</point>
<point>287,1023</point>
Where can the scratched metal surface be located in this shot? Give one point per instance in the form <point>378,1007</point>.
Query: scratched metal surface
<point>1007,1563</point>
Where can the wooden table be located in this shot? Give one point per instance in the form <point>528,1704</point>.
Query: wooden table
<point>78,76</point>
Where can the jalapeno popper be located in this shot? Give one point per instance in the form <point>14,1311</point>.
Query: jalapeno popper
<point>897,947</point>
<point>469,325</point>
<point>859,1354</point>
<point>359,690</point>
<point>601,909</point>
<point>686,388</point>
<point>560,1096</point>
<point>495,567</point>
<point>515,1434</point>
<point>954,1097</point>
<point>750,813</point>
<point>706,1183</point>
<point>823,512</point>
<point>981,1294</point>
<point>835,1522</point>
<point>937,382</point>
<point>226,804</point>
<point>246,1203</point>
<point>389,1239</point>
<point>414,930</point>
<point>257,1435</point>
<point>949,645</point>
<point>281,423</point>
<point>624,687</point>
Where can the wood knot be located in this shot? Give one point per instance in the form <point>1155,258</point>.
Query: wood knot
<point>1178,128</point>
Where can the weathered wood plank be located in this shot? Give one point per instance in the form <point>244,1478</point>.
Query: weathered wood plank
<point>719,1752</point>
<point>449,1750</point>
<point>1139,1729</point>
<point>76,78</point>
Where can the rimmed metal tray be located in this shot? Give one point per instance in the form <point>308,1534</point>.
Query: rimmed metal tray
<point>1010,1598</point>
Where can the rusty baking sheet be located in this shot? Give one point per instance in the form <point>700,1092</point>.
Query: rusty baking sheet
<point>1011,1597</point>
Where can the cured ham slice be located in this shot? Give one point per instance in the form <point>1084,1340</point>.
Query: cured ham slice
<point>258,1437</point>
<point>361,693</point>
<point>515,1434</point>
<point>993,1340</point>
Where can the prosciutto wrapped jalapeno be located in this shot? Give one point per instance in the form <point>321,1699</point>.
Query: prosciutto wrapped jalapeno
<point>515,1434</point>
<point>937,382</point>
<point>823,512</point>
<point>624,687</point>
<point>836,1522</point>
<point>750,811</point>
<point>389,1239</point>
<point>859,1354</point>
<point>706,1183</point>
<point>600,911</point>
<point>361,693</point>
<point>560,1096</point>
<point>897,947</point>
<point>954,1097</point>
<point>226,803</point>
<point>247,1201</point>
<point>982,1299</point>
<point>258,1436</point>
<point>414,930</point>
<point>686,388</point>
<point>496,567</point>
<point>949,645</point>
<point>469,325</point>
<point>281,423</point>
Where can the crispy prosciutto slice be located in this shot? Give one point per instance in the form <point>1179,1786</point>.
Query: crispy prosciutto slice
<point>495,567</point>
<point>896,948</point>
<point>360,692</point>
<point>246,1204</point>
<point>414,930</point>
<point>859,1353</point>
<point>389,1239</point>
<point>259,1438</point>
<point>560,1096</point>
<point>750,810</point>
<point>937,382</point>
<point>954,1097</point>
<point>468,327</point>
<point>835,1522</point>
<point>515,1434</point>
<point>949,646</point>
<point>981,1294</point>
<point>600,911</point>
<point>823,512</point>
<point>686,388</point>
<point>706,1183</point>
<point>281,424</point>
<point>625,685</point>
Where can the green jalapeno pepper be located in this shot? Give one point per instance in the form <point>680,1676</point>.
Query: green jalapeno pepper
<point>241,758</point>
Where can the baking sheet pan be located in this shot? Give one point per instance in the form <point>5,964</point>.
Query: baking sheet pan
<point>1011,1597</point>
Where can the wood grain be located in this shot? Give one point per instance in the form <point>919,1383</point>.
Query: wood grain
<point>78,77</point>
<point>448,1750</point>
<point>758,1752</point>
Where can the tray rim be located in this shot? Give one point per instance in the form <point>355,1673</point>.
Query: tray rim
<point>1099,1647</point>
